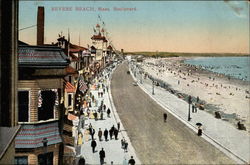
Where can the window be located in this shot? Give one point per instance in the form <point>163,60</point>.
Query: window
<point>23,106</point>
<point>46,110</point>
<point>45,159</point>
<point>69,99</point>
<point>21,160</point>
<point>70,80</point>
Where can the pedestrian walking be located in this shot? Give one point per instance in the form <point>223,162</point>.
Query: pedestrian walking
<point>113,128</point>
<point>92,134</point>
<point>165,117</point>
<point>81,161</point>
<point>93,145</point>
<point>107,88</point>
<point>116,133</point>
<point>103,90</point>
<point>118,126</point>
<point>101,116</point>
<point>193,108</point>
<point>100,134</point>
<point>79,142</point>
<point>88,112</point>
<point>108,112</point>
<point>90,129</point>
<point>90,126</point>
<point>110,133</point>
<point>81,110</point>
<point>125,146</point>
<point>95,115</point>
<point>82,119</point>
<point>99,109</point>
<point>131,161</point>
<point>122,143</point>
<point>199,131</point>
<point>102,156</point>
<point>106,132</point>
<point>104,107</point>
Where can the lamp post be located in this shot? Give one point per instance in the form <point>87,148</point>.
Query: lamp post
<point>189,103</point>
<point>45,143</point>
<point>153,90</point>
<point>141,77</point>
<point>135,71</point>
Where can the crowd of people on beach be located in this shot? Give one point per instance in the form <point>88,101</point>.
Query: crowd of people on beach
<point>185,79</point>
<point>187,71</point>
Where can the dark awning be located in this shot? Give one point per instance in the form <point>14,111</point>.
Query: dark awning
<point>41,57</point>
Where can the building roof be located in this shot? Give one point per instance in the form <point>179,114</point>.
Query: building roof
<point>62,38</point>
<point>92,47</point>
<point>22,43</point>
<point>109,47</point>
<point>73,57</point>
<point>69,88</point>
<point>41,57</point>
<point>76,48</point>
<point>31,135</point>
<point>7,135</point>
<point>98,37</point>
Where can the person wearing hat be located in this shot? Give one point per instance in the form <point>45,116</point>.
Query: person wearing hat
<point>131,161</point>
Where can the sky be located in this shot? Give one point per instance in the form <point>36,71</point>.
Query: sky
<point>170,26</point>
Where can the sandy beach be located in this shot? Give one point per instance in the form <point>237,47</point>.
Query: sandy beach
<point>229,96</point>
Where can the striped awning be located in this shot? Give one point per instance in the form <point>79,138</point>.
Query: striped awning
<point>82,84</point>
<point>32,135</point>
<point>72,117</point>
<point>69,88</point>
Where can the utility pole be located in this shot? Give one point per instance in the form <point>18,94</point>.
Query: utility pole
<point>189,103</point>
<point>141,77</point>
<point>153,90</point>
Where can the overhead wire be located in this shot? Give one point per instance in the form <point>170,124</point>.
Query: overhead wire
<point>27,27</point>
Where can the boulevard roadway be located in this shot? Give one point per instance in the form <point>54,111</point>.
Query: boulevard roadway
<point>154,141</point>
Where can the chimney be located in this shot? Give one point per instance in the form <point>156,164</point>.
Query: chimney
<point>40,25</point>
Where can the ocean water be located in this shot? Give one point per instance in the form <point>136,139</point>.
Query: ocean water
<point>237,67</point>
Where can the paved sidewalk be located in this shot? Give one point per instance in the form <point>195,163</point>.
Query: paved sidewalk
<point>233,142</point>
<point>113,149</point>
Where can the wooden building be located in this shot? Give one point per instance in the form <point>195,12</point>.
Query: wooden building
<point>40,107</point>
